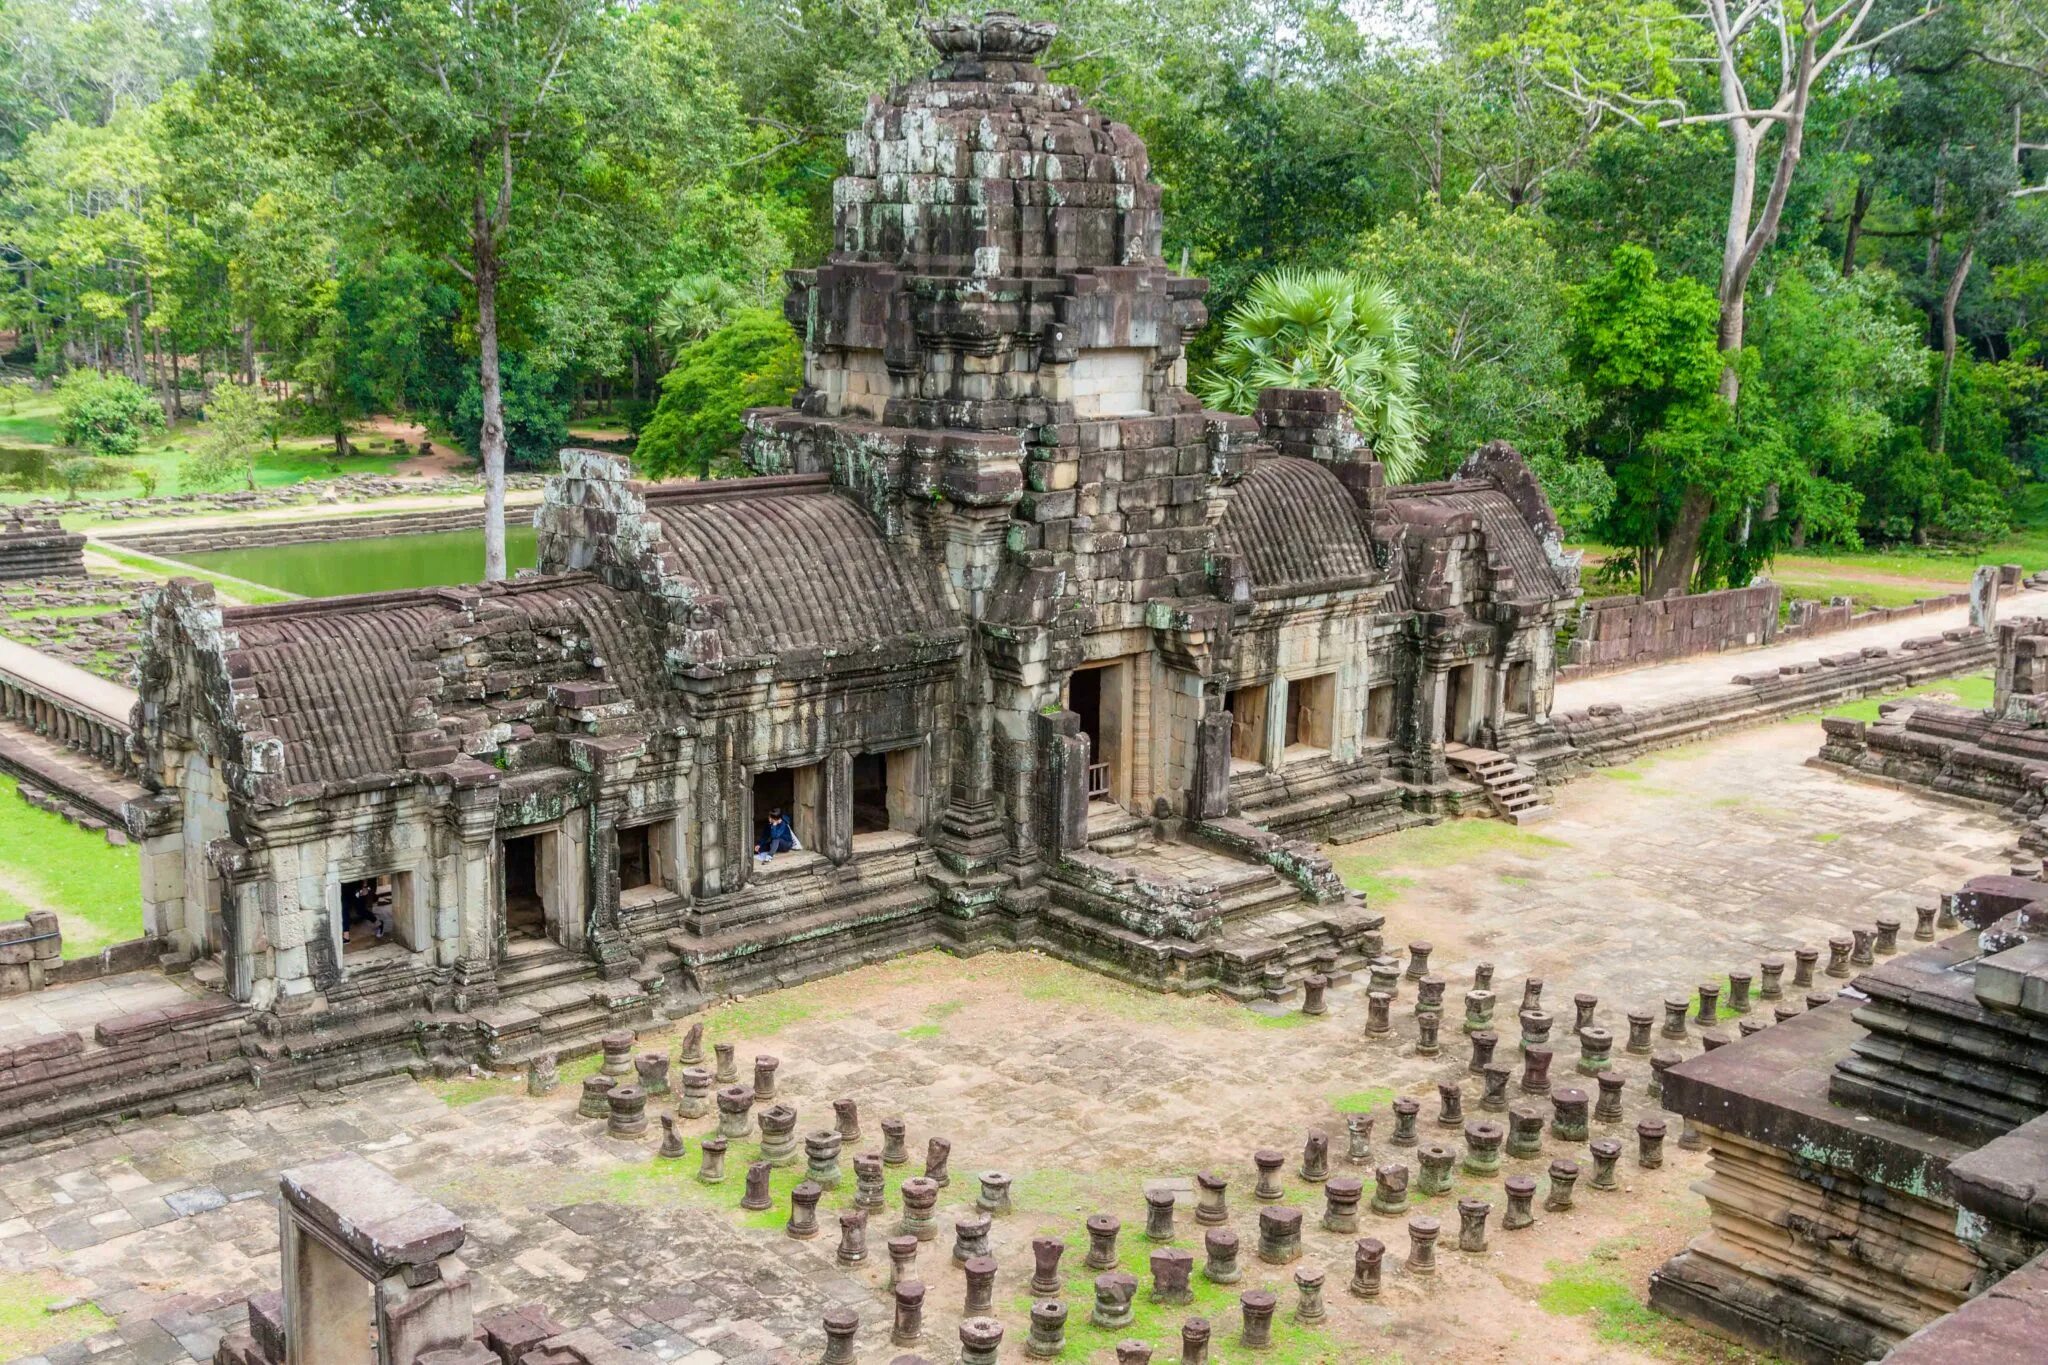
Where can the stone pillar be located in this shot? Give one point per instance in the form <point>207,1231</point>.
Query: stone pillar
<point>1210,798</point>
<point>1063,750</point>
<point>366,1261</point>
<point>1984,599</point>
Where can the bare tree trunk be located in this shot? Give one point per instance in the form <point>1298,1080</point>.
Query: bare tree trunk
<point>1937,420</point>
<point>248,353</point>
<point>137,366</point>
<point>1857,210</point>
<point>1743,244</point>
<point>177,386</point>
<point>491,441</point>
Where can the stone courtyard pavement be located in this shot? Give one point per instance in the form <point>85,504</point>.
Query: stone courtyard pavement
<point>1648,879</point>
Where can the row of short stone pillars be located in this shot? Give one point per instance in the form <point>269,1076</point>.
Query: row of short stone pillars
<point>1746,991</point>
<point>623,1107</point>
<point>981,1336</point>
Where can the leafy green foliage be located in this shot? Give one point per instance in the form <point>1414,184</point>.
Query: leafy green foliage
<point>1325,329</point>
<point>1489,327</point>
<point>536,415</point>
<point>236,418</point>
<point>753,361</point>
<point>106,414</point>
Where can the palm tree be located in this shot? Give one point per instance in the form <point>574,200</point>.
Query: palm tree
<point>1325,329</point>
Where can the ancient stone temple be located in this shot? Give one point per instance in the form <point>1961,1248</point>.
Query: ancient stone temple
<point>1029,648</point>
<point>1878,1161</point>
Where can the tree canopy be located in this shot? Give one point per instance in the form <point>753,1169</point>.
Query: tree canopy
<point>1736,279</point>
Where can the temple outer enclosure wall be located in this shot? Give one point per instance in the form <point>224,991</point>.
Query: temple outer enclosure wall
<point>1627,631</point>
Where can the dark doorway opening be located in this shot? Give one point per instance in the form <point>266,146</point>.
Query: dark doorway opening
<point>870,793</point>
<point>1457,687</point>
<point>526,914</point>
<point>1084,699</point>
<point>636,861</point>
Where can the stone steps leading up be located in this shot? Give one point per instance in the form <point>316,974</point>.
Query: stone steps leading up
<point>1510,788</point>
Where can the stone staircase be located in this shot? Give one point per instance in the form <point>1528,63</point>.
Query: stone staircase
<point>1510,787</point>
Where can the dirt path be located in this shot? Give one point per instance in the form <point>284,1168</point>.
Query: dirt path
<point>441,458</point>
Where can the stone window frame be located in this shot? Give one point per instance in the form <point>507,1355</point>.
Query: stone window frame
<point>917,751</point>
<point>411,929</point>
<point>666,841</point>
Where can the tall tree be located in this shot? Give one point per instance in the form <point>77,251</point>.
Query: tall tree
<point>496,135</point>
<point>1768,60</point>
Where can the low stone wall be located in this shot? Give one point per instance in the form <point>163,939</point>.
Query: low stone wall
<point>1604,735</point>
<point>1808,619</point>
<point>1623,632</point>
<point>187,1057</point>
<point>1629,631</point>
<point>30,951</point>
<point>261,534</point>
<point>37,547</point>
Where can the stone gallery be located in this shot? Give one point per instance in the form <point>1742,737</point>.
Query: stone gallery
<point>1007,648</point>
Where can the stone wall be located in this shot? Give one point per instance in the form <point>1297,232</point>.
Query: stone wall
<point>37,547</point>
<point>1997,756</point>
<point>250,535</point>
<point>1606,734</point>
<point>1626,631</point>
<point>30,950</point>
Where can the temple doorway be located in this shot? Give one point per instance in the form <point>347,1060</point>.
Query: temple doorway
<point>1097,694</point>
<point>526,910</point>
<point>1458,727</point>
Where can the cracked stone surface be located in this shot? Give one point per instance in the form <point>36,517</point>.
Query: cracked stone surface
<point>1087,1092</point>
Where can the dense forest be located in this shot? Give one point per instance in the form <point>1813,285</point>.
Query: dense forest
<point>1735,280</point>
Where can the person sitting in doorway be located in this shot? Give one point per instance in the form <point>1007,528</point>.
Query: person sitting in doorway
<point>780,838</point>
<point>359,911</point>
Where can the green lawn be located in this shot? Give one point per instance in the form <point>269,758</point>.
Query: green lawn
<point>48,863</point>
<point>31,420</point>
<point>1973,691</point>
<point>1848,573</point>
<point>297,457</point>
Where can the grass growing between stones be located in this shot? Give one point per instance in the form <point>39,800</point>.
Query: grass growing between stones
<point>48,863</point>
<point>1599,1289</point>
<point>1380,867</point>
<point>1158,1325</point>
<point>1363,1101</point>
<point>1079,1193</point>
<point>935,1016</point>
<point>1972,691</point>
<point>27,1323</point>
<point>460,1091</point>
<point>1721,1010</point>
<point>760,1017</point>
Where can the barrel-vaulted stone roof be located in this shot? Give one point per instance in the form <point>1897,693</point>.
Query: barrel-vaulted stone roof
<point>1297,529</point>
<point>353,687</point>
<point>798,569</point>
<point>1510,539</point>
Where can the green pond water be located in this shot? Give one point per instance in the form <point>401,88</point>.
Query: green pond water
<point>332,568</point>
